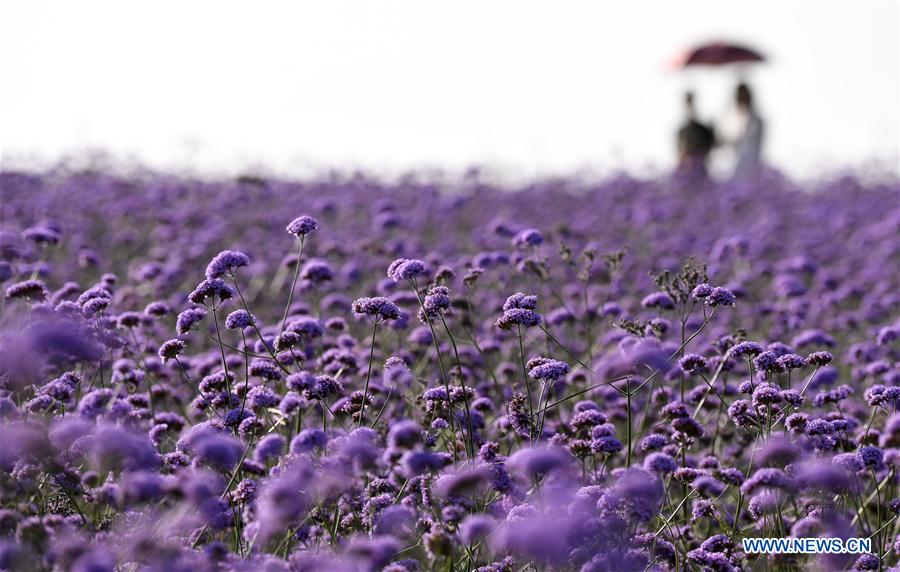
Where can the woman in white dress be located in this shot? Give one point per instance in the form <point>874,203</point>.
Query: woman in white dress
<point>748,144</point>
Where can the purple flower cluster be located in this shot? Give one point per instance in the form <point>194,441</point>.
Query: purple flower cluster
<point>518,311</point>
<point>378,308</point>
<point>302,225</point>
<point>188,387</point>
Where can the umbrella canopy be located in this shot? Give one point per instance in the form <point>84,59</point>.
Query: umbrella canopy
<point>718,53</point>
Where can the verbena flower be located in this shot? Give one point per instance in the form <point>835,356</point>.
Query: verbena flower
<point>788,362</point>
<point>819,359</point>
<point>306,327</point>
<point>720,297</point>
<point>406,269</point>
<point>170,350</point>
<point>518,310</point>
<point>435,303</point>
<point>476,527</point>
<point>538,461</point>
<point>377,309</point>
<point>654,442</point>
<point>129,320</point>
<point>268,448</point>
<point>302,225</point>
<point>528,237</point>
<point>770,478</point>
<point>29,290</point>
<point>660,463</point>
<point>659,300</point>
<point>213,290</point>
<point>693,363</point>
<point>217,450</point>
<point>317,271</point>
<point>188,319</point>
<point>404,434</point>
<point>157,309</point>
<point>239,320</point>
<point>701,291</point>
<point>745,349</point>
<point>548,370</point>
<point>309,440</point>
<point>766,361</point>
<point>41,235</point>
<point>226,262</point>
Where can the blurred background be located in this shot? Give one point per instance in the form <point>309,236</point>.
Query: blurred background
<point>520,88</point>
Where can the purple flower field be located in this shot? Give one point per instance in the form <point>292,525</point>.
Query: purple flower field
<point>344,374</point>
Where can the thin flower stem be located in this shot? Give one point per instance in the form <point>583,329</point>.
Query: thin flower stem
<point>543,412</point>
<point>628,415</point>
<point>487,363</point>
<point>539,422</point>
<point>588,323</point>
<point>686,342</point>
<point>227,490</point>
<point>885,525</point>
<point>527,386</point>
<point>246,371</point>
<point>583,391</point>
<point>233,348</point>
<point>666,521</point>
<point>256,328</point>
<point>785,414</point>
<point>462,382</point>
<point>362,411</point>
<point>140,354</point>
<point>383,407</point>
<point>184,371</point>
<point>287,308</point>
<point>872,496</point>
<point>437,350</point>
<point>333,416</point>
<point>222,350</point>
<point>565,349</point>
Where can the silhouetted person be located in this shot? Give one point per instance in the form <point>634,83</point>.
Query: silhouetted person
<point>748,145</point>
<point>695,141</point>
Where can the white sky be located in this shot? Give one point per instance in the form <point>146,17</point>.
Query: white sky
<point>525,86</point>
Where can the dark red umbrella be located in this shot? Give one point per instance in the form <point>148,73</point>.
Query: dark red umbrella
<point>718,53</point>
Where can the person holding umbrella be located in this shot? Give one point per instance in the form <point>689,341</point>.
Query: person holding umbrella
<point>695,141</point>
<point>748,135</point>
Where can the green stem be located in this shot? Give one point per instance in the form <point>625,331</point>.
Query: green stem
<point>362,411</point>
<point>287,309</point>
<point>437,351</point>
<point>565,349</point>
<point>628,414</point>
<point>222,350</point>
<point>527,387</point>
<point>462,383</point>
